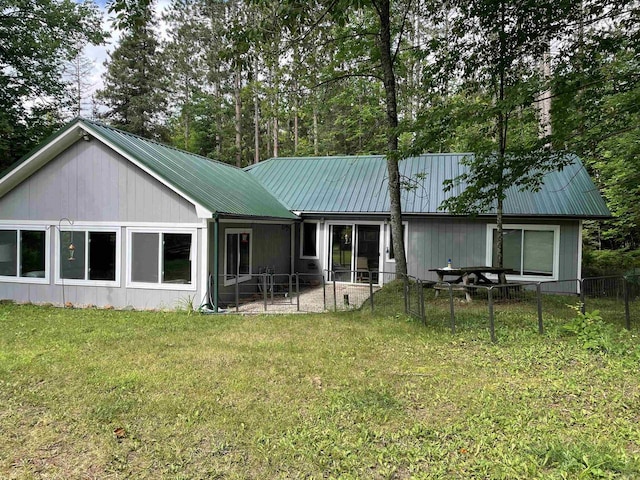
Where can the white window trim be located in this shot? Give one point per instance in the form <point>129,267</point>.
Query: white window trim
<point>387,241</point>
<point>317,224</point>
<point>528,226</point>
<point>47,254</point>
<point>85,229</point>
<point>188,287</point>
<point>244,278</point>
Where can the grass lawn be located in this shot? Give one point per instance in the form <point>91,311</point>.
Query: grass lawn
<point>108,394</point>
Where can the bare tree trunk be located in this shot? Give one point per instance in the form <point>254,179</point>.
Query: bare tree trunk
<point>316,143</point>
<point>275,135</point>
<point>256,116</point>
<point>238,99</point>
<point>384,12</point>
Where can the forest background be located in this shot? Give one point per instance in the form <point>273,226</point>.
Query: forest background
<point>244,80</point>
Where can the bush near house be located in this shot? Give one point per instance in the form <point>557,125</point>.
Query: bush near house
<point>597,263</point>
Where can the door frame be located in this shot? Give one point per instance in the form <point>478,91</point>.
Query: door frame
<point>328,244</point>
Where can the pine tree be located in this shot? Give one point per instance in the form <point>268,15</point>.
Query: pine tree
<point>135,82</point>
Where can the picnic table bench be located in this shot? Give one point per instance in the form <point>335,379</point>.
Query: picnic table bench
<point>465,276</point>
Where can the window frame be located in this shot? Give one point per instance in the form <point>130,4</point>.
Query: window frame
<point>302,227</point>
<point>387,242</point>
<point>231,280</point>
<point>86,229</point>
<point>47,254</point>
<point>160,285</point>
<point>524,227</point>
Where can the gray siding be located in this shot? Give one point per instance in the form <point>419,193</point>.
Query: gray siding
<point>433,241</point>
<point>91,182</point>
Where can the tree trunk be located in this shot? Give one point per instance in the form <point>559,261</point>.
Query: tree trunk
<point>238,122</point>
<point>384,12</point>
<point>256,116</point>
<point>316,143</point>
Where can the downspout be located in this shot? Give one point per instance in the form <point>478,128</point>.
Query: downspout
<point>216,222</point>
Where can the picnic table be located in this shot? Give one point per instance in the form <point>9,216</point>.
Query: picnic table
<point>465,276</point>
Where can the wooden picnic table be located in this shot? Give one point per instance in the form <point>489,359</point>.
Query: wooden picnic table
<point>464,275</point>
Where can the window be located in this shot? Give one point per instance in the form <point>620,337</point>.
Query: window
<point>237,255</point>
<point>529,250</point>
<point>391,256</point>
<point>309,240</point>
<point>162,258</point>
<point>23,255</point>
<point>89,256</point>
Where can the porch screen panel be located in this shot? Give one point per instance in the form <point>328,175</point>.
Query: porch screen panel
<point>8,253</point>
<point>176,257</point>
<point>538,252</point>
<point>32,253</point>
<point>145,260</point>
<point>72,265</point>
<point>309,247</point>
<point>102,256</point>
<point>238,253</point>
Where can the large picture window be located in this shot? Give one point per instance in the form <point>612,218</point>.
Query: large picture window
<point>162,258</point>
<point>237,255</point>
<point>23,254</point>
<point>89,255</point>
<point>309,240</point>
<point>529,250</point>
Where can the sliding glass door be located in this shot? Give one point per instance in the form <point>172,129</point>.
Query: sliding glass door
<point>354,252</point>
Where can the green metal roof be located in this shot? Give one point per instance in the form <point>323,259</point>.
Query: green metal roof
<point>216,186</point>
<point>359,184</point>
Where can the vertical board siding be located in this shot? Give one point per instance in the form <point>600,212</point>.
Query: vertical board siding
<point>90,182</point>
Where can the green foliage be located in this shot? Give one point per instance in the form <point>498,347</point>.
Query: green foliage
<point>38,37</point>
<point>135,82</point>
<point>597,263</point>
<point>591,331</point>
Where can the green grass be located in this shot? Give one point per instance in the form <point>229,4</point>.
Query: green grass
<point>310,396</point>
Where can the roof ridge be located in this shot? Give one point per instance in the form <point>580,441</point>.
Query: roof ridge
<point>150,140</point>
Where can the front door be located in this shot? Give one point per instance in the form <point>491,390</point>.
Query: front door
<point>354,253</point>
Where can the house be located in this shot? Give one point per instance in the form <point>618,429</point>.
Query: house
<point>97,216</point>
<point>344,204</point>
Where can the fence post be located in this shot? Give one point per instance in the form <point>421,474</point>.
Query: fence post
<point>290,289</point>
<point>272,282</point>
<point>237,295</point>
<point>324,290</point>
<point>335,299</point>
<point>627,315</point>
<point>371,290</point>
<point>583,307</point>
<point>264,291</point>
<point>297,292</point>
<point>406,295</point>
<point>452,310</point>
<point>492,328</point>
<point>539,300</point>
<point>423,314</point>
